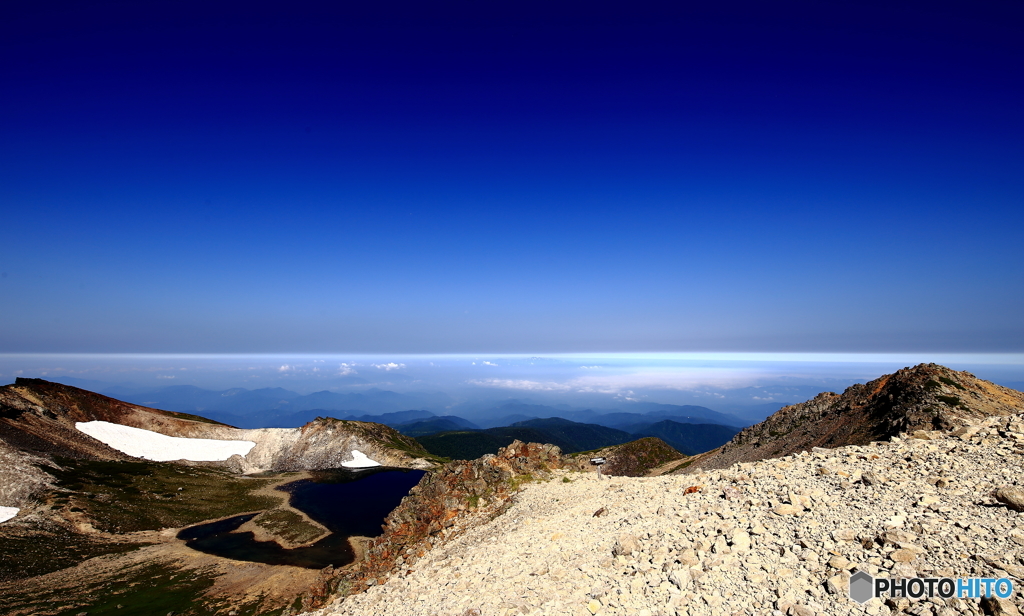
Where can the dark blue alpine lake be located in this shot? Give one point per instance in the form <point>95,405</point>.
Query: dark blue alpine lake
<point>349,503</point>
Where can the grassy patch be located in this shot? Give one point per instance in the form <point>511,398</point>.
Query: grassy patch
<point>636,458</point>
<point>386,437</point>
<point>952,383</point>
<point>141,589</point>
<point>517,481</point>
<point>191,417</point>
<point>288,525</point>
<point>950,400</point>
<point>340,587</point>
<point>136,589</point>
<point>418,451</point>
<point>25,554</point>
<point>639,457</point>
<point>123,497</point>
<point>932,384</point>
<point>680,466</point>
<point>463,445</point>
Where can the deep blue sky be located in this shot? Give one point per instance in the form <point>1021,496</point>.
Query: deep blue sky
<point>511,177</point>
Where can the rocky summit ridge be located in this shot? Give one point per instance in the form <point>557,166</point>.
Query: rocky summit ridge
<point>915,474</point>
<point>450,499</point>
<point>924,397</point>
<point>779,536</point>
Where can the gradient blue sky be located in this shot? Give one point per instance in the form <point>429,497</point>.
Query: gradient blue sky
<point>384,177</point>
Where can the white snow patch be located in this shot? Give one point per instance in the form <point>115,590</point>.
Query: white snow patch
<point>160,447</point>
<point>359,460</point>
<point>6,513</point>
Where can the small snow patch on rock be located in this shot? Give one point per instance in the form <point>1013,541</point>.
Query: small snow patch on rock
<point>360,460</point>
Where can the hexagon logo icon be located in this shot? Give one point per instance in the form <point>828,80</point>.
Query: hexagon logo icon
<point>861,587</point>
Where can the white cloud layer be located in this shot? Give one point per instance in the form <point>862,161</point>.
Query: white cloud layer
<point>681,380</point>
<point>521,384</point>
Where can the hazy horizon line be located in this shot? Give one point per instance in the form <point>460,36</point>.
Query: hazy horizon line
<point>841,356</point>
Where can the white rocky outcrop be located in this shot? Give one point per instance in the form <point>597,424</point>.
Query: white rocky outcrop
<point>777,537</point>
<point>6,513</point>
<point>21,480</point>
<point>316,445</point>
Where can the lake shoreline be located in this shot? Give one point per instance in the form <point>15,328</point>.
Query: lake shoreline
<point>261,533</point>
<point>317,521</point>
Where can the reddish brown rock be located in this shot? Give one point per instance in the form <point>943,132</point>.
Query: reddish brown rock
<point>457,489</point>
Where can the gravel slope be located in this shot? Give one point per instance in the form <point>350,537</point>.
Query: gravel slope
<point>772,537</point>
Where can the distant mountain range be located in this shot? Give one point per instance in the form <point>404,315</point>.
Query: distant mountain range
<point>281,408</point>
<point>284,419</point>
<point>447,428</point>
<point>638,412</point>
<point>687,438</point>
<point>455,437</point>
<point>575,436</point>
<point>570,436</point>
<point>433,425</point>
<point>252,402</point>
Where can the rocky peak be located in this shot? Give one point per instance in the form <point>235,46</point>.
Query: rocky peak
<point>38,417</point>
<point>458,494</point>
<point>633,459</point>
<point>71,404</point>
<point>924,397</point>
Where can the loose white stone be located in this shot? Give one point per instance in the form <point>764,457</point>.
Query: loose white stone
<point>678,563</point>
